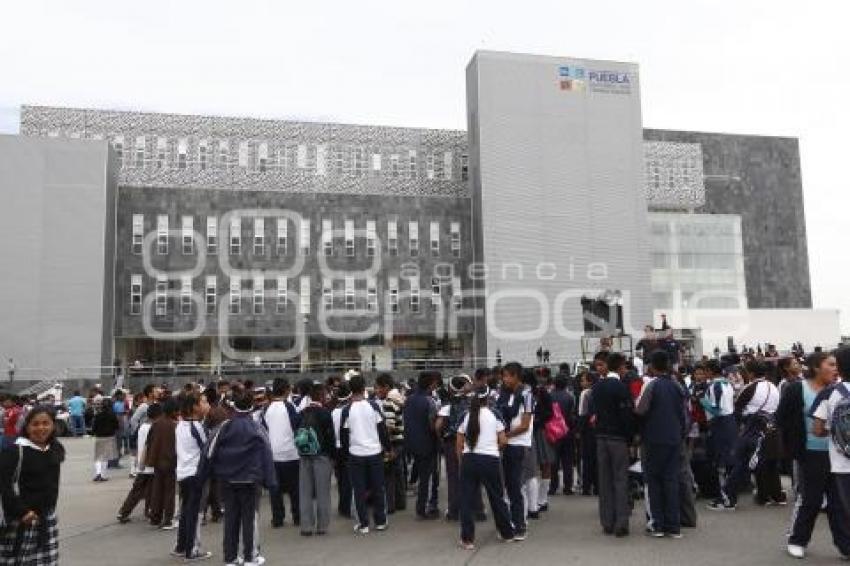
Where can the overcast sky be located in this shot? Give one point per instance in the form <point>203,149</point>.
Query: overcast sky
<point>778,67</point>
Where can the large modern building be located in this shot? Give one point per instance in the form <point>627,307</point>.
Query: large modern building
<point>242,239</point>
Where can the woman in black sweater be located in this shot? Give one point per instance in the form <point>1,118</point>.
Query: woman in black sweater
<point>29,487</point>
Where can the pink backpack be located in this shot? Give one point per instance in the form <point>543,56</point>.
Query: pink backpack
<point>556,429</point>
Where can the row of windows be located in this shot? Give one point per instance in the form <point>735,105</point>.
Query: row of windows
<point>353,293</point>
<point>259,240</point>
<point>161,152</point>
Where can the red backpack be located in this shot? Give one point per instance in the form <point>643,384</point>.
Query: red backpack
<point>556,429</point>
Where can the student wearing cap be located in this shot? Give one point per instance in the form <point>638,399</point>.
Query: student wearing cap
<point>343,479</point>
<point>449,418</point>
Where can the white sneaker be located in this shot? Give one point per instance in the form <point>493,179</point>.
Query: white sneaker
<point>257,561</point>
<point>797,551</point>
<point>381,527</point>
<point>361,530</point>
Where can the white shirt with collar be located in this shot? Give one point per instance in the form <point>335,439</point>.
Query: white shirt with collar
<point>281,435</point>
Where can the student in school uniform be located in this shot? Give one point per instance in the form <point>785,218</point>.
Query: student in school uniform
<point>810,452</point>
<point>240,456</point>
<point>365,439</point>
<point>420,413</point>
<point>280,418</point>
<point>839,496</point>
<point>144,474</point>
<point>316,451</point>
<point>665,423</point>
<point>718,401</point>
<point>190,438</point>
<point>449,417</point>
<point>479,440</point>
<point>161,455</point>
<point>343,479</point>
<point>516,406</point>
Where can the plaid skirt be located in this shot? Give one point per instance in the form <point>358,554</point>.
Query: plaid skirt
<point>20,546</point>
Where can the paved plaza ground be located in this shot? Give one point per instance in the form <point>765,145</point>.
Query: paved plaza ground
<point>569,534</point>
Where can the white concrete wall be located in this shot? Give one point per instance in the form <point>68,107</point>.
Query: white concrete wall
<point>782,327</point>
<point>558,176</point>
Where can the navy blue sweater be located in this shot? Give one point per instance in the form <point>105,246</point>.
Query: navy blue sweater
<point>662,405</point>
<point>239,453</point>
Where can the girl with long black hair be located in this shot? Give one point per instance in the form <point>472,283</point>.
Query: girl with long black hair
<point>480,438</point>
<point>29,486</point>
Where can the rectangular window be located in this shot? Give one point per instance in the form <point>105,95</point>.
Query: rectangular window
<point>185,295</point>
<point>338,159</point>
<point>224,154</point>
<point>371,238</point>
<point>414,295</point>
<point>259,294</point>
<point>327,294</point>
<point>392,237</point>
<point>321,159</point>
<point>359,161</point>
<point>212,235</point>
<point>349,238</point>
<point>392,294</point>
<point>376,162</point>
<point>138,233</point>
<point>280,304</point>
<point>140,152</point>
<point>372,295</point>
<point>235,295</point>
<point>182,149</point>
<point>118,144</point>
<point>210,294</point>
<point>161,152</point>
<point>435,238</point>
<point>455,232</point>
<point>411,164</point>
<point>262,157</point>
<point>447,165</point>
<point>188,234</point>
<point>162,234</point>
<point>235,236</point>
<point>395,168</point>
<point>304,237</point>
<point>301,157</point>
<point>429,166</point>
<point>135,294</point>
<point>305,294</point>
<point>464,167</point>
<point>244,152</point>
<point>259,236</point>
<point>413,237</point>
<point>282,236</point>
<point>327,237</point>
<point>161,295</point>
<point>457,293</point>
<point>203,154</point>
<point>349,294</point>
<point>435,293</point>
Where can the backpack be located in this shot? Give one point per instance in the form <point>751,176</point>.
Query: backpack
<point>556,429</point>
<point>839,421</point>
<point>306,438</point>
<point>457,412</point>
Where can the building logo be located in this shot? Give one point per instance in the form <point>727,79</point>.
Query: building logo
<point>575,78</point>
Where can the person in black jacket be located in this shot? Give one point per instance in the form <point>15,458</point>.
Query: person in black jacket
<point>810,454</point>
<point>611,405</point>
<point>420,441</point>
<point>29,487</point>
<point>104,427</point>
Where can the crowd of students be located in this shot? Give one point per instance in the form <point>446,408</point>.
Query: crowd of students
<point>637,429</point>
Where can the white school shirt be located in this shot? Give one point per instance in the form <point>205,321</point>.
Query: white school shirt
<point>281,435</point>
<point>144,429</point>
<point>765,399</point>
<point>336,416</point>
<point>188,450</point>
<point>839,463</point>
<point>362,425</point>
<point>526,406</point>
<point>488,434</point>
